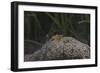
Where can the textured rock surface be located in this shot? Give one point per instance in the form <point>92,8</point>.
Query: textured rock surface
<point>66,48</point>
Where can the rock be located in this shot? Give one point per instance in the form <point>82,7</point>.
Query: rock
<point>66,48</point>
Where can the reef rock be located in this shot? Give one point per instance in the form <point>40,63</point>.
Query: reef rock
<point>63,49</point>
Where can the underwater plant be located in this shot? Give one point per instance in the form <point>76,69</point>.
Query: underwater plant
<point>41,26</point>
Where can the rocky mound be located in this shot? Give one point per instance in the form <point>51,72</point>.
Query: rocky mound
<point>65,48</point>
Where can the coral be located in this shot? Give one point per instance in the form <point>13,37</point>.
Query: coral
<point>66,48</point>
